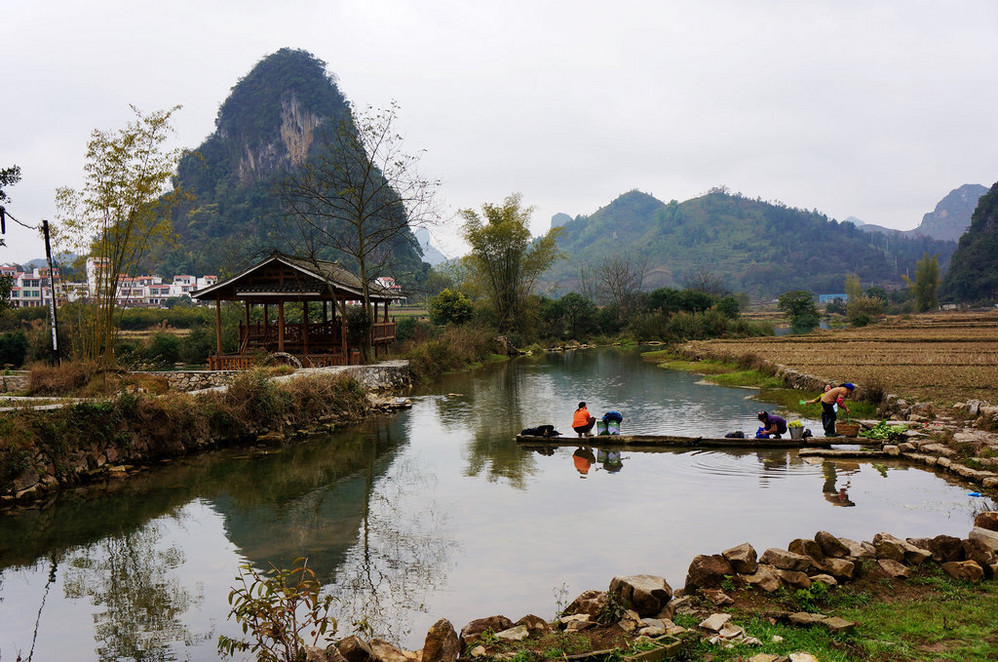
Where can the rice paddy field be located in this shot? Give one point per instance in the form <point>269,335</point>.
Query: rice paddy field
<point>939,357</point>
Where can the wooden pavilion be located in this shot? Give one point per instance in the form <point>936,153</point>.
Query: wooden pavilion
<point>280,279</point>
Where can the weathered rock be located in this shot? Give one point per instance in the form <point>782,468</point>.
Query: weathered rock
<point>889,547</point>
<point>715,622</point>
<point>944,548</point>
<point>589,602</point>
<point>986,537</point>
<point>316,654</point>
<point>838,625</point>
<point>859,550</point>
<point>983,555</point>
<point>442,643</point>
<point>785,559</point>
<point>515,633</point>
<point>581,622</point>
<point>831,545</point>
<point>474,629</point>
<point>630,621</point>
<point>806,618</point>
<point>355,649</point>
<point>707,572</point>
<point>795,579</point>
<point>806,547</point>
<point>964,570</point>
<point>803,657</point>
<point>838,568</point>
<point>767,657</point>
<point>827,580</point>
<point>765,577</point>
<point>645,594</point>
<point>386,652</point>
<point>742,558</point>
<point>894,568</point>
<point>535,624</point>
<point>717,596</point>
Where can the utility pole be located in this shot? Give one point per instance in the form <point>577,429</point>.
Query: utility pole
<point>55,325</point>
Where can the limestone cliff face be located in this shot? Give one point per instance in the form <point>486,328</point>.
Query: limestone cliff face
<point>951,217</point>
<point>296,135</point>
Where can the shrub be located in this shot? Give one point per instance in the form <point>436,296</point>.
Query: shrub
<point>164,350</point>
<point>451,308</point>
<point>282,612</point>
<point>13,348</point>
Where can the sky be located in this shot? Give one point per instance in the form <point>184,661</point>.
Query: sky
<point>871,109</point>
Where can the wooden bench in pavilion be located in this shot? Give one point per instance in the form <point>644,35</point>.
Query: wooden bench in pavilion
<point>324,289</point>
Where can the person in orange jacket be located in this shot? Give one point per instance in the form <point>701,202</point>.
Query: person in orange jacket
<point>583,422</point>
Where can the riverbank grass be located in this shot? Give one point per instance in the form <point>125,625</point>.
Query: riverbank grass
<point>746,374</point>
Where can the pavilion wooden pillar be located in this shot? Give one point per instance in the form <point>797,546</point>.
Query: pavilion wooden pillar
<point>343,330</point>
<point>280,326</point>
<point>304,327</point>
<point>266,326</point>
<point>244,342</point>
<point>371,332</point>
<point>218,329</point>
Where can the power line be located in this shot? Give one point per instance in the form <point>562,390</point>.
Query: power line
<point>4,215</point>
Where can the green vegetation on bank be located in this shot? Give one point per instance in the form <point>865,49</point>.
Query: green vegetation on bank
<point>755,373</point>
<point>153,427</point>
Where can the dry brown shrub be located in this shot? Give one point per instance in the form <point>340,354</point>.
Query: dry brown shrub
<point>66,379</point>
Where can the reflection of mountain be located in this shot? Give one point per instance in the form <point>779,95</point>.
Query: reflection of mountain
<point>308,501</point>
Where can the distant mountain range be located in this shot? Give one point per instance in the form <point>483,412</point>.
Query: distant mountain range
<point>948,221</point>
<point>757,247</point>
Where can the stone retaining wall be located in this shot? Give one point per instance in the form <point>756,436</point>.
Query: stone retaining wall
<point>13,383</point>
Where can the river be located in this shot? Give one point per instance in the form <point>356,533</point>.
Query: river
<point>437,513</point>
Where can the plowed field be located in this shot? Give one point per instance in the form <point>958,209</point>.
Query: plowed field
<point>943,358</point>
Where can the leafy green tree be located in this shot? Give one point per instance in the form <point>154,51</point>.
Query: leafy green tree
<point>798,305</point>
<point>862,309</point>
<point>925,288</point>
<point>503,259</point>
<point>450,307</point>
<point>122,210</point>
<point>853,288</point>
<point>728,306</point>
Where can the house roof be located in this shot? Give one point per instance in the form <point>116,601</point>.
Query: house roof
<point>281,276</point>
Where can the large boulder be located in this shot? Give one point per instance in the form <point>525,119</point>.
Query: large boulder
<point>707,572</point>
<point>987,520</point>
<point>766,577</point>
<point>838,568</point>
<point>473,630</point>
<point>645,594</point>
<point>742,558</point>
<point>355,649</point>
<point>785,559</point>
<point>805,547</point>
<point>442,643</point>
<point>966,570</point>
<point>891,547</point>
<point>944,548</point>
<point>830,545</point>
<point>983,555</point>
<point>590,602</point>
<point>387,652</point>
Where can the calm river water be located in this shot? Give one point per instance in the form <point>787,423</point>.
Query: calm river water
<point>436,513</point>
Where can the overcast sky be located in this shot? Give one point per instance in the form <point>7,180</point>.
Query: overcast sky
<point>868,109</point>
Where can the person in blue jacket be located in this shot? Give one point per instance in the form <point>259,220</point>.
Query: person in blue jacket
<point>772,425</point>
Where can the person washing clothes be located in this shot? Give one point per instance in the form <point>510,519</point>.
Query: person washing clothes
<point>772,425</point>
<point>829,399</point>
<point>583,421</point>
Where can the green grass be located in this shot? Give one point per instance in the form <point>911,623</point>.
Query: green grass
<point>752,378</point>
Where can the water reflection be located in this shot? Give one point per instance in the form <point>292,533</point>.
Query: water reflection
<point>437,513</point>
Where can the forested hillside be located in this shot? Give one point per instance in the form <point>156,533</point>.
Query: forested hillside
<point>973,273</point>
<point>273,120</point>
<point>753,246</point>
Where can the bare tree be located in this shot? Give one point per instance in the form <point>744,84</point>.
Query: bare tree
<point>620,278</point>
<point>705,280</point>
<point>359,196</point>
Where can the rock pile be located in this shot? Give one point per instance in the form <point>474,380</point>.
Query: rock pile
<point>641,607</point>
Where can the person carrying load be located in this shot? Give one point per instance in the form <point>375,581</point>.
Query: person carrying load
<point>829,399</point>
